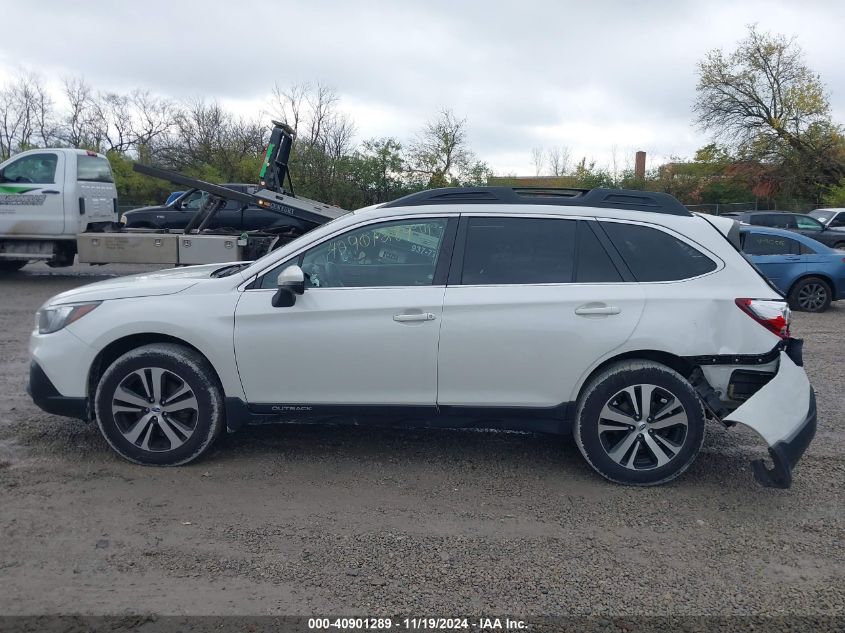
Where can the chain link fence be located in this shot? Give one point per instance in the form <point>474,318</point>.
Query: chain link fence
<point>720,208</point>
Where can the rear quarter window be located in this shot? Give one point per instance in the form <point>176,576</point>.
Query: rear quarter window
<point>653,255</point>
<point>93,169</point>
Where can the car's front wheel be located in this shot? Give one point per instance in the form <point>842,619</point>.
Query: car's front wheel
<point>640,423</point>
<point>160,404</point>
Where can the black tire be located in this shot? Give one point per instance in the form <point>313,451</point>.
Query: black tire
<point>811,294</point>
<point>195,421</point>
<point>599,437</point>
<point>12,266</point>
<point>839,246</point>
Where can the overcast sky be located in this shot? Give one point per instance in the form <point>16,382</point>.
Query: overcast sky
<point>587,75</point>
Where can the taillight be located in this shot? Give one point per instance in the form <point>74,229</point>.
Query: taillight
<point>772,315</point>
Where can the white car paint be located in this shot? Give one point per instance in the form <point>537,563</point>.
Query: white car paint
<point>786,397</point>
<point>59,207</point>
<point>524,347</point>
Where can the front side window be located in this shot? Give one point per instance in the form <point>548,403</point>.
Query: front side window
<point>767,244</point>
<point>35,168</point>
<point>839,220</point>
<point>518,251</point>
<point>808,224</point>
<point>193,201</point>
<point>397,253</point>
<point>653,255</point>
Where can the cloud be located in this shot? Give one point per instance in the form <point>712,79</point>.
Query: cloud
<point>590,76</point>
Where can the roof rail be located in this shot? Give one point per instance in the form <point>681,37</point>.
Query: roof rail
<point>631,199</point>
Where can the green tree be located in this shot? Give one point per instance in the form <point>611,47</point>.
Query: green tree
<point>440,155</point>
<point>764,100</point>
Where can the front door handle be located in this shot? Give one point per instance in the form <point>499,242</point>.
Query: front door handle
<point>592,308</point>
<point>49,191</point>
<point>417,316</point>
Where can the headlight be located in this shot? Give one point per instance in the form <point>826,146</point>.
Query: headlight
<point>123,219</point>
<point>53,318</point>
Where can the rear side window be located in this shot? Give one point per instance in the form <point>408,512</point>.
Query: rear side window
<point>594,264</point>
<point>519,251</point>
<point>767,244</point>
<point>653,255</point>
<point>93,169</point>
<point>776,220</point>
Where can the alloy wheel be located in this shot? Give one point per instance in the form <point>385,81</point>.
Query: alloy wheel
<point>155,409</point>
<point>643,427</point>
<point>812,296</point>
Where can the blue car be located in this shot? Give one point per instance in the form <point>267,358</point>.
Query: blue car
<point>809,273</point>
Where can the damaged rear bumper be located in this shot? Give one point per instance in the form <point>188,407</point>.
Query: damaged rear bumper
<point>783,413</point>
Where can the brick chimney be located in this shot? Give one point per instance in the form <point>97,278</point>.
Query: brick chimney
<point>639,165</point>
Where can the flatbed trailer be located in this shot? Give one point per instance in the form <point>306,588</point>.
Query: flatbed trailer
<point>198,245</point>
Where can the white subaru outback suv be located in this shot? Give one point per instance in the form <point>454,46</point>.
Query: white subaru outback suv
<point>615,315</point>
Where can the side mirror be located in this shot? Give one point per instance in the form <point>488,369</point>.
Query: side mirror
<point>291,282</point>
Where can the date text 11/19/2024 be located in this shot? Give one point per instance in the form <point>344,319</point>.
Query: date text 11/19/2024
<point>416,624</point>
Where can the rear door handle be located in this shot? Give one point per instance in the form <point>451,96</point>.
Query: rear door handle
<point>49,191</point>
<point>589,309</point>
<point>418,316</point>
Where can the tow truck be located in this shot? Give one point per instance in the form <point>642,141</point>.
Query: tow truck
<point>195,244</point>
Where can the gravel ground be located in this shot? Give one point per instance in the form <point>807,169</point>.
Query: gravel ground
<point>316,520</point>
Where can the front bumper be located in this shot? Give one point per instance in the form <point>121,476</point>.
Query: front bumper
<point>783,412</point>
<point>47,397</point>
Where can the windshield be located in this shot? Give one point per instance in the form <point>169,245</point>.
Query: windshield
<point>822,215</point>
<point>93,169</point>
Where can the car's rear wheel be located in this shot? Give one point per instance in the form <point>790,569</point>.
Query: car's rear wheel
<point>160,404</point>
<point>810,294</point>
<point>640,423</point>
<point>12,267</point>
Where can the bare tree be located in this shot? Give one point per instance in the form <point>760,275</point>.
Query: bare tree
<point>152,117</point>
<point>25,115</point>
<point>43,114</point>
<point>339,132</point>
<point>322,102</point>
<point>115,119</point>
<point>559,158</point>
<point>287,105</point>
<point>538,160</point>
<point>83,126</point>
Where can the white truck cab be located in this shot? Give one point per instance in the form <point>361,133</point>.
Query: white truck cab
<point>47,197</point>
